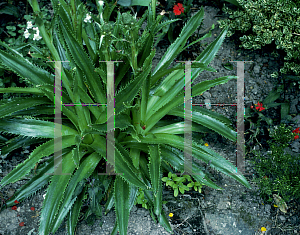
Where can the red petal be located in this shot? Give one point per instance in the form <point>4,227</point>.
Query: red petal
<point>296,137</point>
<point>177,12</point>
<point>32,208</point>
<point>14,208</point>
<point>296,130</point>
<point>16,201</point>
<point>21,224</point>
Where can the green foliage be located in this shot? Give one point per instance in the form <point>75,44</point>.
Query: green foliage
<point>144,143</point>
<point>31,49</point>
<point>258,122</point>
<point>177,183</point>
<point>278,172</point>
<point>141,199</point>
<point>268,22</point>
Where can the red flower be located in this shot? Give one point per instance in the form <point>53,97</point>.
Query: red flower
<point>251,106</point>
<point>14,208</point>
<point>16,201</point>
<point>296,130</point>
<point>21,224</point>
<point>260,107</point>
<point>32,208</point>
<point>178,9</point>
<point>144,127</point>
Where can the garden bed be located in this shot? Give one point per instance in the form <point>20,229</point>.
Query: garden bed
<point>236,209</point>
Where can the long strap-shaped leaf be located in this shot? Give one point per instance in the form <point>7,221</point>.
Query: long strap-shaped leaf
<point>43,150</point>
<point>178,128</point>
<point>121,166</point>
<point>200,152</point>
<point>177,76</point>
<point>128,93</point>
<point>163,220</point>
<point>177,46</point>
<point>210,121</point>
<point>38,181</point>
<point>122,121</point>
<point>33,128</point>
<point>17,105</point>
<point>153,118</point>
<point>121,190</point>
<point>24,68</point>
<point>34,184</point>
<point>173,156</point>
<point>29,90</point>
<point>55,194</point>
<point>18,142</point>
<point>85,170</point>
<point>73,214</point>
<point>169,80</point>
<point>84,63</point>
<point>155,175</point>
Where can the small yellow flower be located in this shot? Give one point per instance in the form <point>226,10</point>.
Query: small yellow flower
<point>171,214</point>
<point>263,229</point>
<point>206,144</point>
<point>275,205</point>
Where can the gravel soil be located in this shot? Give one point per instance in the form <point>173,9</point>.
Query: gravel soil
<point>234,210</point>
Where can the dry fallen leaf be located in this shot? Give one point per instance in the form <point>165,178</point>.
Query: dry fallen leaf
<point>279,202</point>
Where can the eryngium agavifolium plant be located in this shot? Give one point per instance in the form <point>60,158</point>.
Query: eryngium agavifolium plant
<point>145,146</point>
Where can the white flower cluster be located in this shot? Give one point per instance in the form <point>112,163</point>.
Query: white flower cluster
<point>37,33</point>
<point>87,18</point>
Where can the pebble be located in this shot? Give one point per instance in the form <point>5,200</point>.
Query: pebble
<point>282,218</point>
<point>256,69</point>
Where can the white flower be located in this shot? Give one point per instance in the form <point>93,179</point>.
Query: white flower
<point>44,195</point>
<point>101,3</point>
<point>163,12</point>
<point>29,25</point>
<point>37,37</point>
<point>26,34</point>
<point>36,28</point>
<point>88,18</point>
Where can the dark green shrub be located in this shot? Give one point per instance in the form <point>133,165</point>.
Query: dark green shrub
<point>268,22</point>
<point>278,172</point>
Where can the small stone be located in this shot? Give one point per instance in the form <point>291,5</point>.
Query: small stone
<point>296,119</point>
<point>282,217</point>
<point>256,69</point>
<point>207,103</point>
<point>206,95</point>
<point>267,207</point>
<point>295,146</point>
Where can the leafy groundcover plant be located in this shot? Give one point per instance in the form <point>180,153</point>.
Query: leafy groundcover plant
<point>145,145</point>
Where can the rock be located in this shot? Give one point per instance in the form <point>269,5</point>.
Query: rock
<point>207,103</point>
<point>256,69</point>
<point>267,207</point>
<point>295,146</point>
<point>296,120</point>
<point>293,104</point>
<point>206,95</point>
<point>282,218</point>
